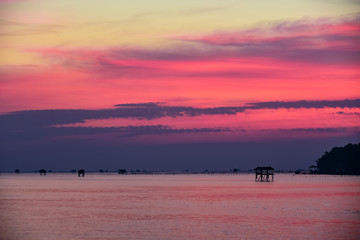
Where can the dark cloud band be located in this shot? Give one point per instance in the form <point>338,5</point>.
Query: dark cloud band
<point>150,110</point>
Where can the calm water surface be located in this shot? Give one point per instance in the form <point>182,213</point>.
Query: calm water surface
<point>63,206</point>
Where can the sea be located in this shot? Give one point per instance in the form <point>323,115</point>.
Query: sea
<point>178,206</point>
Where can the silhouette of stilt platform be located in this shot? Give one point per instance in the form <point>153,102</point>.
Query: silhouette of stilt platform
<point>264,174</point>
<point>81,173</point>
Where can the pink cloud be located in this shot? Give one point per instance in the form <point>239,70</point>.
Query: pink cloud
<point>80,81</point>
<point>281,31</point>
<point>289,61</point>
<point>271,53</point>
<point>317,41</point>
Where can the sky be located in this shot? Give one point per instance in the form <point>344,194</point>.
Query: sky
<point>165,85</point>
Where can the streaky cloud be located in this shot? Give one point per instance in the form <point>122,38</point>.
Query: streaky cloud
<point>162,130</point>
<point>149,104</point>
<point>10,28</point>
<point>324,130</point>
<point>150,110</point>
<point>348,113</point>
<point>38,132</point>
<point>325,40</point>
<point>355,103</point>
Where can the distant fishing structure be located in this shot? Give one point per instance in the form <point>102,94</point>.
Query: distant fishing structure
<point>81,173</point>
<point>264,174</point>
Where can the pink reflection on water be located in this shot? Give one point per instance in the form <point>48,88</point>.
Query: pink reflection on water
<point>62,206</point>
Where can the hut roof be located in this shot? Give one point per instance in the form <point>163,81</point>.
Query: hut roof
<point>264,168</point>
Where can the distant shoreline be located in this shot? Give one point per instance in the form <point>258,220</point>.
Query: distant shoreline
<point>115,173</point>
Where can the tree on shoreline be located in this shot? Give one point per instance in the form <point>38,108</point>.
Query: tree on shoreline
<point>340,160</point>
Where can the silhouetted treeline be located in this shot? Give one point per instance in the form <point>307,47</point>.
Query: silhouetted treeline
<point>340,160</point>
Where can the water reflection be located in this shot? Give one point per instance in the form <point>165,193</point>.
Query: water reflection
<point>63,206</point>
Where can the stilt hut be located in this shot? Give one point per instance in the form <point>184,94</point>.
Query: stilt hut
<point>81,173</point>
<point>264,174</point>
<point>313,169</point>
